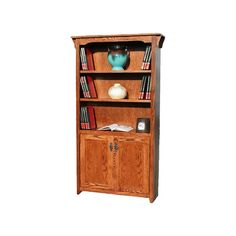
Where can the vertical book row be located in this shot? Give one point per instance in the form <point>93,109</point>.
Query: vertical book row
<point>87,118</point>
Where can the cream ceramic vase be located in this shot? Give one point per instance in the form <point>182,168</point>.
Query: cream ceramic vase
<point>117,92</point>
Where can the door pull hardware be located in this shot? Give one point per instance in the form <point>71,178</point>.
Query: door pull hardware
<point>111,147</point>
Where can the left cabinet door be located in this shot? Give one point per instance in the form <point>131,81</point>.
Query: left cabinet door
<point>96,163</point>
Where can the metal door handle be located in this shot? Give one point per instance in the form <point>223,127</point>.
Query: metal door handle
<point>111,147</point>
<point>116,147</point>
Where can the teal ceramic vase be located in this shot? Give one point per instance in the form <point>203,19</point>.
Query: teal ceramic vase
<point>118,56</point>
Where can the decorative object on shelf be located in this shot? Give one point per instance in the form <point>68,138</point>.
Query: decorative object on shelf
<point>118,56</point>
<point>143,125</point>
<point>117,91</point>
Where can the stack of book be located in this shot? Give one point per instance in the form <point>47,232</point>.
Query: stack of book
<point>145,88</point>
<point>86,59</point>
<point>147,58</point>
<point>87,118</point>
<point>88,87</point>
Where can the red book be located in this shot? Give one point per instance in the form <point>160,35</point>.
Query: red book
<point>89,56</point>
<point>91,86</point>
<point>92,120</point>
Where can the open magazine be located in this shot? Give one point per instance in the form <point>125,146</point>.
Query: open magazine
<point>116,127</point>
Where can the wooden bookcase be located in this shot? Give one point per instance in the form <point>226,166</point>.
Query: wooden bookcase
<point>124,163</point>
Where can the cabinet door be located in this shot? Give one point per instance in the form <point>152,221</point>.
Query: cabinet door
<point>95,162</point>
<point>133,167</point>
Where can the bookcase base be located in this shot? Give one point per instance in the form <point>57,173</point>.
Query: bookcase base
<point>116,193</point>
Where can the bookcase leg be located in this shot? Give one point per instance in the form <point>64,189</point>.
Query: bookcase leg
<point>152,199</point>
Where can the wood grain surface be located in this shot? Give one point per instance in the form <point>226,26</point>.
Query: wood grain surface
<point>115,162</point>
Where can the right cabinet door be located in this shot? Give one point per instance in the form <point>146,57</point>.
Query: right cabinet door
<point>133,164</point>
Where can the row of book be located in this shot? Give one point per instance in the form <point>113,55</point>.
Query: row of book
<point>147,58</point>
<point>88,87</point>
<point>87,118</point>
<point>86,59</point>
<point>145,88</point>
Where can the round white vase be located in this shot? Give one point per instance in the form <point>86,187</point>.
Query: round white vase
<point>117,92</point>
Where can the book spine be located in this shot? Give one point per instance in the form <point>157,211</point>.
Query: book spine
<point>92,119</point>
<point>149,59</point>
<point>146,92</point>
<point>150,86</point>
<point>82,86</point>
<point>87,118</point>
<point>144,87</point>
<point>82,118</point>
<point>89,59</point>
<point>85,60</point>
<point>86,87</point>
<point>91,86</point>
<point>144,58</point>
<point>85,121</point>
<point>81,58</point>
<point>141,88</point>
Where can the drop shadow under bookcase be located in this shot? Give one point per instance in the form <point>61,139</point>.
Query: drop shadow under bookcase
<point>125,163</point>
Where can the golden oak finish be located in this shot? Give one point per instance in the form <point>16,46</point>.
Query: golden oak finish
<point>133,164</point>
<point>119,114</point>
<point>119,162</point>
<point>78,114</point>
<point>96,166</point>
<point>114,163</point>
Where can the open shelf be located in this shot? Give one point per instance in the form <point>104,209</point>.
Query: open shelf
<point>114,100</point>
<point>115,72</point>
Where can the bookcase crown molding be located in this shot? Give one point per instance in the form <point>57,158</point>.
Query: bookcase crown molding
<point>146,38</point>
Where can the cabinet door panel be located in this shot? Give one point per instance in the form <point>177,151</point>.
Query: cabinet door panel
<point>133,168</point>
<point>96,164</point>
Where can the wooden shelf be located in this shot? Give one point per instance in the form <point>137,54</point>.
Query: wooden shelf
<point>114,100</point>
<point>102,132</point>
<point>116,72</point>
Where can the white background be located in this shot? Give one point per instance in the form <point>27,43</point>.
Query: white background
<point>37,119</point>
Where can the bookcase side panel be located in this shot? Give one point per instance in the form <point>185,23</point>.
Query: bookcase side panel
<point>77,47</point>
<point>154,98</point>
<point>157,123</point>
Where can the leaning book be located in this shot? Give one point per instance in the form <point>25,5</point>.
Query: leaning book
<point>116,127</point>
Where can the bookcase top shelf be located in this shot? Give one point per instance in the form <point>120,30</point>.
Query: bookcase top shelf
<point>116,72</point>
<point>114,100</point>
